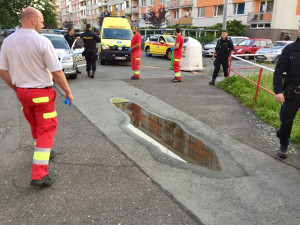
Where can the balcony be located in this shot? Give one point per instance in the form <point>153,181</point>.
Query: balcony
<point>82,7</point>
<point>259,17</point>
<point>175,4</point>
<point>130,11</point>
<point>182,20</point>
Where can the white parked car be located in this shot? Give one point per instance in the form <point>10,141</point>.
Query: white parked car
<point>209,48</point>
<point>64,54</point>
<point>271,52</point>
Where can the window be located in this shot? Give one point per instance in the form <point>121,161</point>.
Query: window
<point>143,2</point>
<point>201,12</point>
<point>218,10</point>
<point>266,6</point>
<point>176,14</point>
<point>152,2</point>
<point>123,6</point>
<point>256,44</point>
<point>263,43</point>
<point>117,7</point>
<point>239,9</point>
<point>162,1</point>
<point>261,25</point>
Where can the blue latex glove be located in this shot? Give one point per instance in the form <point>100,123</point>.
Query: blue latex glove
<point>67,102</point>
<point>172,48</point>
<point>130,49</point>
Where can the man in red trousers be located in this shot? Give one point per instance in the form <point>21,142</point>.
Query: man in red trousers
<point>29,68</point>
<point>135,50</point>
<point>177,55</point>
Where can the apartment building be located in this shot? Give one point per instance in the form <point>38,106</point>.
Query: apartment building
<point>263,18</point>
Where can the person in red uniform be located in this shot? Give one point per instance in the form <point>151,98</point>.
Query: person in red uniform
<point>135,50</point>
<point>31,74</point>
<point>177,55</point>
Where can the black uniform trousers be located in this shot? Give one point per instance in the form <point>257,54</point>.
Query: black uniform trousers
<point>288,112</point>
<point>90,58</point>
<point>217,63</point>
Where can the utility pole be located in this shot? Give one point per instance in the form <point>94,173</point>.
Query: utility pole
<point>225,14</point>
<point>92,15</point>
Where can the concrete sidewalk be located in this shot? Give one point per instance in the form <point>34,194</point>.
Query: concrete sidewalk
<point>95,183</point>
<point>252,186</point>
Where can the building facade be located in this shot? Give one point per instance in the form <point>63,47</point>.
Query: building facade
<point>263,18</point>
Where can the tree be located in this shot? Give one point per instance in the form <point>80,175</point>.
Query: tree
<point>234,28</point>
<point>157,18</point>
<point>68,24</point>
<point>10,11</point>
<point>101,18</point>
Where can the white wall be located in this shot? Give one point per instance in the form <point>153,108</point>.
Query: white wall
<point>284,15</point>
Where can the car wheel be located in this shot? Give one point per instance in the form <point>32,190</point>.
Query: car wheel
<point>102,61</point>
<point>148,52</point>
<point>247,57</point>
<point>276,60</point>
<point>74,76</point>
<point>169,54</point>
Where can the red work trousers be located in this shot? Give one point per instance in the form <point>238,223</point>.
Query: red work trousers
<point>39,110</point>
<point>135,64</point>
<point>176,66</point>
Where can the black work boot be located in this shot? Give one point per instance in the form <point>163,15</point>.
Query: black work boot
<point>88,73</point>
<point>52,154</point>
<point>93,74</point>
<point>282,151</point>
<point>134,78</point>
<point>45,182</point>
<point>212,82</point>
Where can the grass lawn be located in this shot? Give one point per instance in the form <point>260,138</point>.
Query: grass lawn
<point>265,107</point>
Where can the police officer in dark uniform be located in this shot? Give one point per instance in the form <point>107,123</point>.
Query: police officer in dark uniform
<point>70,38</point>
<point>224,49</point>
<point>90,39</point>
<point>287,91</point>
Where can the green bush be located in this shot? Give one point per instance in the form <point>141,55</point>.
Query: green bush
<point>206,40</point>
<point>265,107</point>
<point>234,28</point>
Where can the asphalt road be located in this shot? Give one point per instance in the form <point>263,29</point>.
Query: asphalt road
<point>106,174</point>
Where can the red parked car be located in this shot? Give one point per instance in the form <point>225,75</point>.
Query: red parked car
<point>250,46</point>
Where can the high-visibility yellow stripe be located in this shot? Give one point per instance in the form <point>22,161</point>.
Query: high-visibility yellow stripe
<point>136,72</point>
<point>34,143</point>
<point>177,74</point>
<point>41,99</point>
<point>137,58</point>
<point>177,60</point>
<point>49,115</point>
<point>22,108</point>
<point>41,156</point>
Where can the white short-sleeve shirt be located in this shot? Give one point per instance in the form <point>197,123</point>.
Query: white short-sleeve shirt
<point>30,58</point>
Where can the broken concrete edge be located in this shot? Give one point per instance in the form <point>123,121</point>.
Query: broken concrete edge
<point>168,193</point>
<point>229,167</point>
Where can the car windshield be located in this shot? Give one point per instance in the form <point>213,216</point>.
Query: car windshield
<point>169,39</point>
<point>246,43</point>
<point>237,40</point>
<point>112,33</point>
<point>58,42</point>
<point>277,45</point>
<point>214,42</point>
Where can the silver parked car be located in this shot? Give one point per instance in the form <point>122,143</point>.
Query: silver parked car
<point>271,52</point>
<point>209,48</point>
<point>64,54</point>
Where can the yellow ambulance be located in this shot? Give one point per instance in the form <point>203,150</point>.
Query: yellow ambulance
<point>115,37</point>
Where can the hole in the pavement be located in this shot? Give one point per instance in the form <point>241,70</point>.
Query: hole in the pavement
<point>173,140</point>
